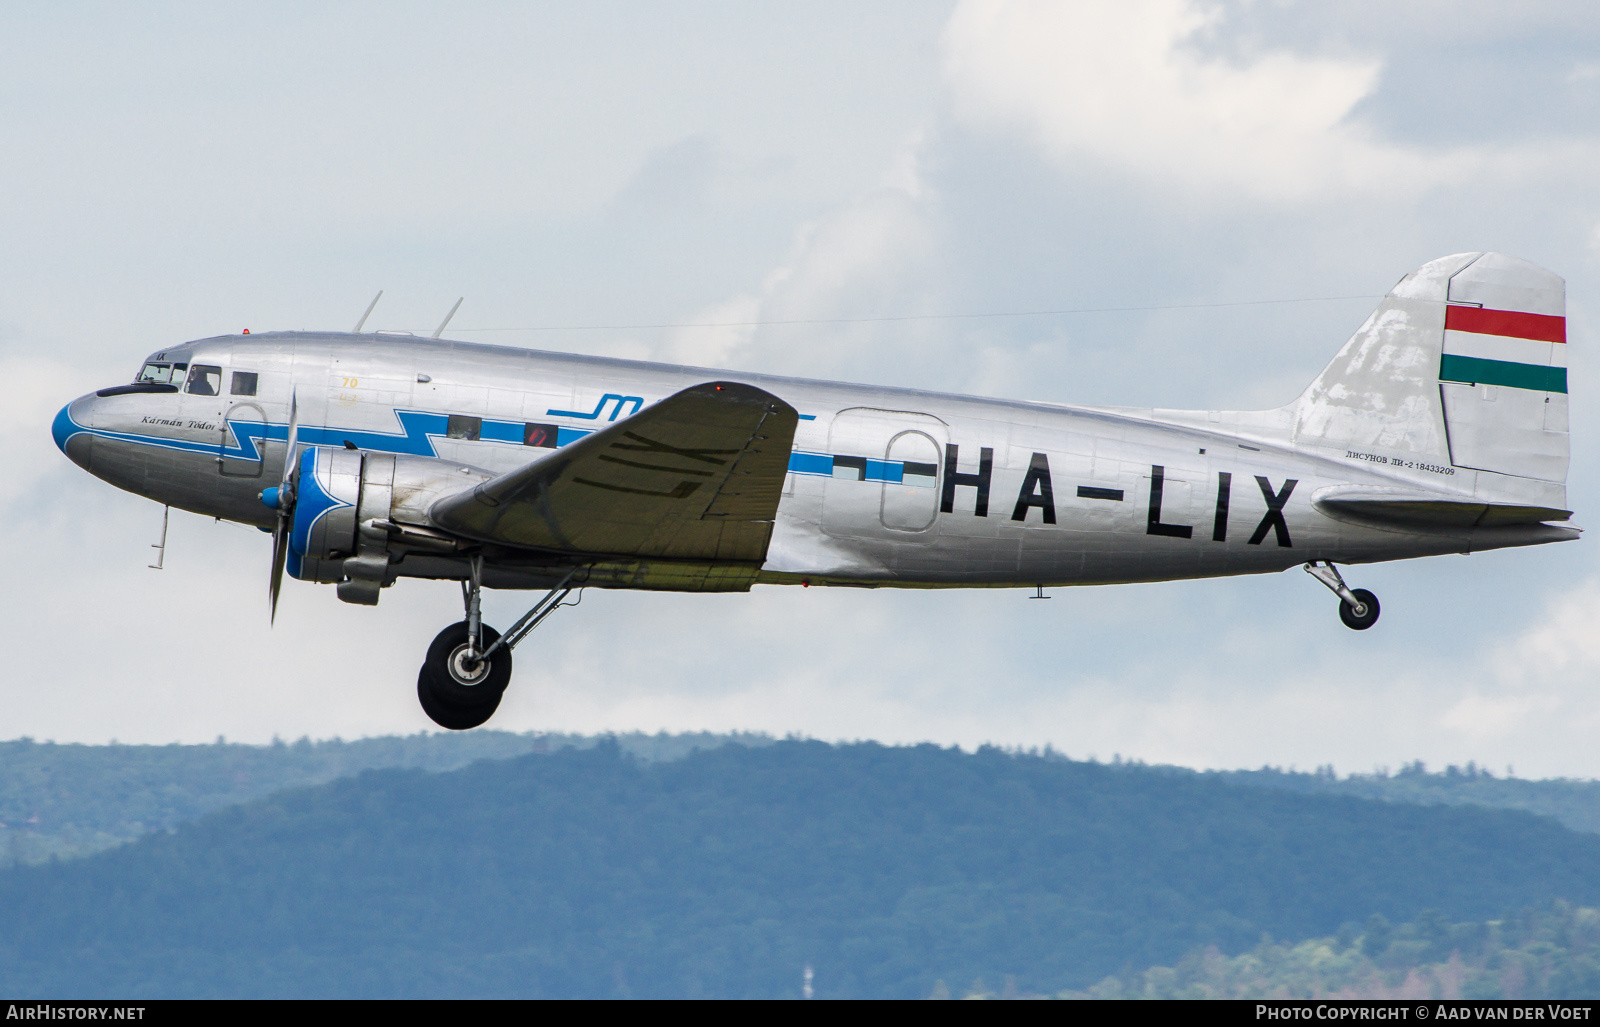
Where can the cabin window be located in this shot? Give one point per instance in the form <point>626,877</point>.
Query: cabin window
<point>461,427</point>
<point>542,435</point>
<point>850,468</point>
<point>205,380</point>
<point>923,476</point>
<point>159,373</point>
<point>244,383</point>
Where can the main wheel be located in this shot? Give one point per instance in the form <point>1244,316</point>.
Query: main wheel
<point>455,718</point>
<point>456,693</point>
<point>1368,617</point>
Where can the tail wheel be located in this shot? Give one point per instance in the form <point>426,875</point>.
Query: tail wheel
<point>456,692</point>
<point>1369,613</point>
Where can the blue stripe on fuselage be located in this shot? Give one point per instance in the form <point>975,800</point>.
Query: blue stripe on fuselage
<point>419,429</point>
<point>821,464</point>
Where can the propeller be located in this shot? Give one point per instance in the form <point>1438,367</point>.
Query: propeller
<point>282,500</point>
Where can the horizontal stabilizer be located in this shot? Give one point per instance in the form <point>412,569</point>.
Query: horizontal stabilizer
<point>697,476</point>
<point>1423,509</point>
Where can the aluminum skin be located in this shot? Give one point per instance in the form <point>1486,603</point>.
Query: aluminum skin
<point>1389,455</point>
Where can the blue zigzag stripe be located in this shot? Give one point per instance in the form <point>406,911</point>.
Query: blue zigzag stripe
<point>416,438</point>
<point>419,430</point>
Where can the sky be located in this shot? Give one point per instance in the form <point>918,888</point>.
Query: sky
<point>172,171</point>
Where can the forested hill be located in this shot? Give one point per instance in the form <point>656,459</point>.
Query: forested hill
<point>1532,954</point>
<point>1575,803</point>
<point>62,801</point>
<point>588,873</point>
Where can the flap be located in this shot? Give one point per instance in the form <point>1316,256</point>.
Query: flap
<point>697,476</point>
<point>1421,508</point>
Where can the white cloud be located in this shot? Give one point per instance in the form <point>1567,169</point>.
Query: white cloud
<point>25,418</point>
<point>717,334</point>
<point>1480,718</point>
<point>1119,81</point>
<point>1539,684</point>
<point>1561,646</point>
<point>867,256</point>
<point>1583,73</point>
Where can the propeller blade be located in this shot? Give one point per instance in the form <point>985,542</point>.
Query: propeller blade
<point>294,436</point>
<point>280,556</point>
<point>280,534</point>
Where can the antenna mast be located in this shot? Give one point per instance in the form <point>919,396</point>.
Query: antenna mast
<point>440,330</point>
<point>357,329</point>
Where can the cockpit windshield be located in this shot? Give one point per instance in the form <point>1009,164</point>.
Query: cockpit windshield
<point>160,372</point>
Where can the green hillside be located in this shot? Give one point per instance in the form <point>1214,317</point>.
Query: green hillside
<point>1573,802</point>
<point>60,801</point>
<point>724,873</point>
<point>1533,954</point>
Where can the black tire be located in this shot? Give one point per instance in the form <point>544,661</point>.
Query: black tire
<point>1368,618</point>
<point>450,688</point>
<point>452,717</point>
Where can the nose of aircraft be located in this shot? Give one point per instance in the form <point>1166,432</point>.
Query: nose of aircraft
<point>70,430</point>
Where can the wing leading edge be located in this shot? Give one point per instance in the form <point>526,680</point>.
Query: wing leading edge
<point>695,477</point>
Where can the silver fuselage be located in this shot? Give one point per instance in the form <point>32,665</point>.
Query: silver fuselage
<point>886,487</point>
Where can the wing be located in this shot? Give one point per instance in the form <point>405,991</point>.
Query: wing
<point>697,476</point>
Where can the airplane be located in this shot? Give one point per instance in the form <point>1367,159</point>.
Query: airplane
<point>1440,427</point>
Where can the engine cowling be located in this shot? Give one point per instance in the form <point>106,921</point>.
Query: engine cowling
<point>338,492</point>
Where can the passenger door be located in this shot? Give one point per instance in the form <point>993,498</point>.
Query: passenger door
<point>243,427</point>
<point>912,503</point>
<point>871,494</point>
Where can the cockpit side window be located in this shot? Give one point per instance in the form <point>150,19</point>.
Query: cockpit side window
<point>204,380</point>
<point>154,372</point>
<point>243,383</point>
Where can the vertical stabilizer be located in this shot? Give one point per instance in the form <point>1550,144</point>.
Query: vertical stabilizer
<point>1463,365</point>
<point>1380,395</point>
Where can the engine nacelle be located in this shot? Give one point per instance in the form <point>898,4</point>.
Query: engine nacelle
<point>337,493</point>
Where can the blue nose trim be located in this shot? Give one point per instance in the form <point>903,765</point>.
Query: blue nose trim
<point>269,497</point>
<point>311,502</point>
<point>64,428</point>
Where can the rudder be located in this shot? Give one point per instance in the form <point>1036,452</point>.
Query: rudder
<point>1463,364</point>
<point>1503,369</point>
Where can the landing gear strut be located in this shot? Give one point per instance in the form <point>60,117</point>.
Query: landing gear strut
<point>1358,608</point>
<point>469,663</point>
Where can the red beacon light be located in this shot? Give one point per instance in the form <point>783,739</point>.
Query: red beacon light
<point>247,331</point>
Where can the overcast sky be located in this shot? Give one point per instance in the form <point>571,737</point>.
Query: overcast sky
<point>170,172</point>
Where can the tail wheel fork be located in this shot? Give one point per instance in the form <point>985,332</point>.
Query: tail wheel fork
<point>1358,608</point>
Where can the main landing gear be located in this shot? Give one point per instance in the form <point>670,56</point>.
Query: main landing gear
<point>1358,608</point>
<point>469,663</point>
